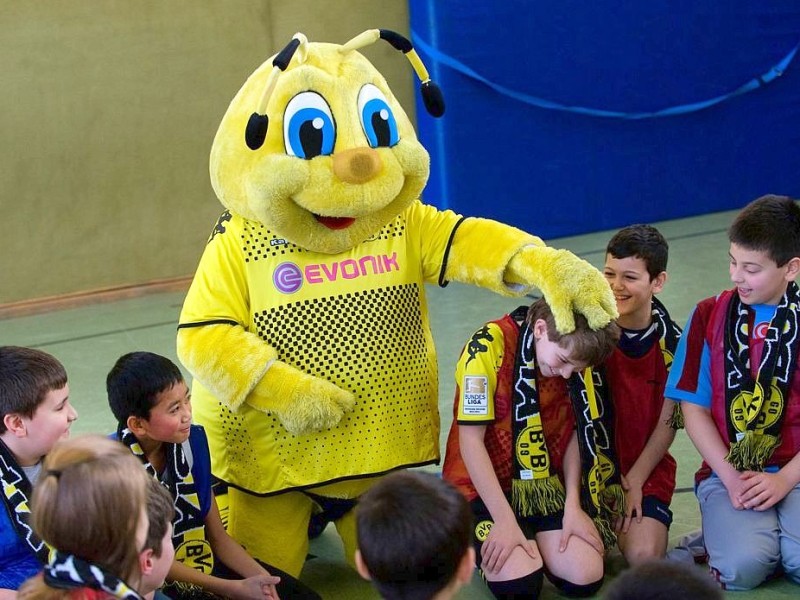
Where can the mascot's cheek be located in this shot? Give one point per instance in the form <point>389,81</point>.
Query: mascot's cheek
<point>272,189</point>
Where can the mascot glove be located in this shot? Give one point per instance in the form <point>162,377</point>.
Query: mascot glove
<point>569,284</point>
<point>301,402</point>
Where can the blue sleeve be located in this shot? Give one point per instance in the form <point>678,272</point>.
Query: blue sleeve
<point>201,467</point>
<point>702,394</point>
<point>17,561</point>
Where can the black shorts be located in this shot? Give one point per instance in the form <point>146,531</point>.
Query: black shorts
<point>656,509</point>
<point>530,526</point>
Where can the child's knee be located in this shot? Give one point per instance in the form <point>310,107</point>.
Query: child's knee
<point>524,588</point>
<point>742,572</point>
<point>578,589</point>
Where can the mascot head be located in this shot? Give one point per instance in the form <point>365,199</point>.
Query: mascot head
<point>329,156</point>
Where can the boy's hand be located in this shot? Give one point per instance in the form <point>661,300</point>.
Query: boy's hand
<point>633,505</point>
<point>568,283</point>
<point>576,522</point>
<point>735,486</point>
<point>499,544</point>
<point>760,491</point>
<point>257,587</point>
<point>303,403</point>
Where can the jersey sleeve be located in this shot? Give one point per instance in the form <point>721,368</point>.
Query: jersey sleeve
<point>689,377</point>
<point>476,376</point>
<point>219,292</point>
<point>433,230</point>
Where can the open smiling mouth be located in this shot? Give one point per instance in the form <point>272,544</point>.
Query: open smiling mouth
<point>335,222</point>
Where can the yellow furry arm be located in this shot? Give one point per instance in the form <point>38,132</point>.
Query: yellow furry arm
<point>237,366</point>
<point>481,251</point>
<point>568,283</point>
<point>226,359</point>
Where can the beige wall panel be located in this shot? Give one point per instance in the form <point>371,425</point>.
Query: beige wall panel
<point>108,113</point>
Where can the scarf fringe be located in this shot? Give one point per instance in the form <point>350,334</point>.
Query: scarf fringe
<point>606,531</point>
<point>544,496</point>
<point>752,451</point>
<point>612,500</point>
<point>676,420</point>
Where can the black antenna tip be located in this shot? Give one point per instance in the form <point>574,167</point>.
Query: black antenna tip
<point>432,98</point>
<point>256,131</point>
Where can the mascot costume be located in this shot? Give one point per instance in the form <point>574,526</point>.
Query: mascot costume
<point>306,328</point>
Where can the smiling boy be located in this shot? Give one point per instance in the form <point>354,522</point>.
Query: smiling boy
<point>636,269</point>
<point>735,374</point>
<point>514,454</point>
<point>152,405</point>
<point>35,413</point>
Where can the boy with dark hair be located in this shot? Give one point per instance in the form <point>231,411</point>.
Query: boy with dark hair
<point>156,557</point>
<point>735,374</point>
<point>663,580</point>
<point>413,532</point>
<point>636,373</point>
<point>35,413</point>
<point>151,402</point>
<point>541,495</point>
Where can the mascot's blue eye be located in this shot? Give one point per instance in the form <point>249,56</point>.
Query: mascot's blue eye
<point>377,117</point>
<point>308,127</point>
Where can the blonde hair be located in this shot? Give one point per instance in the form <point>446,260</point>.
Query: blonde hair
<point>88,501</point>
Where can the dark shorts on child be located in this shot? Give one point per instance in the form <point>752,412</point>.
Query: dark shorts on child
<point>656,509</point>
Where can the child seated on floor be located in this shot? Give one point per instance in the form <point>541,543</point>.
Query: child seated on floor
<point>735,374</point>
<point>35,413</point>
<point>151,402</point>
<point>413,532</point>
<point>636,373</point>
<point>89,507</point>
<point>538,491</point>
<point>157,554</point>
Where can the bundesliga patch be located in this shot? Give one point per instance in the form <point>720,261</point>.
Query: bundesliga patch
<point>476,396</point>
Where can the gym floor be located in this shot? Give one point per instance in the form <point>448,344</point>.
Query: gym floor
<point>89,339</point>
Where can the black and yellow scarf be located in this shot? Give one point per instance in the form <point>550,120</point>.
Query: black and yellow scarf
<point>67,572</point>
<point>535,489</point>
<point>188,528</point>
<point>668,336</point>
<point>755,408</point>
<point>17,491</point>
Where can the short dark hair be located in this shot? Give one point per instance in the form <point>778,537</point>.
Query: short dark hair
<point>26,376</point>
<point>160,512</point>
<point>641,241</point>
<point>589,346</point>
<point>413,531</point>
<point>663,580</point>
<point>769,224</point>
<point>136,380</point>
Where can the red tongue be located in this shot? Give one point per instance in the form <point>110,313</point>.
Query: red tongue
<point>335,222</point>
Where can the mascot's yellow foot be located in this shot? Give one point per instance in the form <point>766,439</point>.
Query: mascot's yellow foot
<point>303,403</point>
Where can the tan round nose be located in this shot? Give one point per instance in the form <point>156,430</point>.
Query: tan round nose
<point>357,165</point>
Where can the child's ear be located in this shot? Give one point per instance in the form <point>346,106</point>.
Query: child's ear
<point>539,328</point>
<point>136,425</point>
<point>15,424</point>
<point>659,281</point>
<point>146,561</point>
<point>361,566</point>
<point>466,566</point>
<point>793,269</point>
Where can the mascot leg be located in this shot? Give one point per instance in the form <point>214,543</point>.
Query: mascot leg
<point>346,527</point>
<point>274,529</point>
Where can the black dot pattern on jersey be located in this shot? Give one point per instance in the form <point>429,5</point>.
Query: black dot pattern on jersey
<point>258,242</point>
<point>373,344</point>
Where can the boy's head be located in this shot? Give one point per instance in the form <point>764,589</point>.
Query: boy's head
<point>663,580</point>
<point>147,393</point>
<point>34,398</point>
<point>765,249</point>
<point>561,355</point>
<point>636,268</point>
<point>156,557</point>
<point>414,537</point>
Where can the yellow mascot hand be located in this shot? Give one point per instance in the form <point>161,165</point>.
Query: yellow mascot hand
<point>303,403</point>
<point>569,284</point>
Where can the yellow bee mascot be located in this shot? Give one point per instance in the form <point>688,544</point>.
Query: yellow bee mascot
<point>306,328</point>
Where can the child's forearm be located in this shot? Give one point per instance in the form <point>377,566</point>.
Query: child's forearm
<point>181,573</point>
<point>791,470</point>
<point>481,472</point>
<point>228,550</point>
<point>572,473</point>
<point>660,440</point>
<point>706,438</point>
